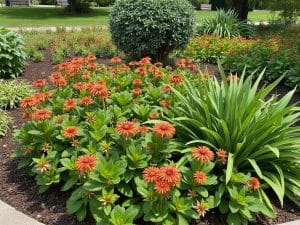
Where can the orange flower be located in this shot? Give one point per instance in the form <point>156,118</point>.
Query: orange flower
<point>70,103</point>
<point>141,70</point>
<point>70,132</point>
<point>222,155</point>
<point>200,177</point>
<point>58,79</point>
<point>127,128</point>
<point>136,91</point>
<point>86,74</point>
<point>143,129</point>
<point>166,88</point>
<point>254,183</point>
<point>47,95</point>
<point>232,78</point>
<point>116,60</point>
<point>162,187</point>
<point>150,174</point>
<point>85,163</point>
<point>154,115</point>
<point>133,63</point>
<point>79,86</point>
<point>91,58</point>
<point>92,66</point>
<point>86,101</point>
<point>137,82</point>
<point>39,83</point>
<point>28,102</point>
<point>99,89</point>
<point>176,78</point>
<point>41,114</point>
<point>159,74</point>
<point>164,129</point>
<point>158,64</point>
<point>203,154</point>
<point>170,175</point>
<point>145,61</point>
<point>164,103</point>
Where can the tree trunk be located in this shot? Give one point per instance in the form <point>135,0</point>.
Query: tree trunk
<point>241,8</point>
<point>72,6</point>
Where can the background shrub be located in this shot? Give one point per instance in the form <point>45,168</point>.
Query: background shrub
<point>225,24</point>
<point>197,3</point>
<point>12,54</point>
<point>11,92</point>
<point>151,27</point>
<point>5,120</point>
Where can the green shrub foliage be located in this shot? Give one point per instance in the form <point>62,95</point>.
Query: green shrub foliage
<point>151,27</point>
<point>12,54</point>
<point>5,120</point>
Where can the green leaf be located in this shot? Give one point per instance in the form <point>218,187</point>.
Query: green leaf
<point>70,183</point>
<point>233,219</point>
<point>229,168</point>
<point>81,214</point>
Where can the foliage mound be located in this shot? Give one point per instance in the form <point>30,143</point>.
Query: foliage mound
<point>5,120</point>
<point>225,24</point>
<point>113,135</point>
<point>153,28</point>
<point>13,56</point>
<point>11,92</point>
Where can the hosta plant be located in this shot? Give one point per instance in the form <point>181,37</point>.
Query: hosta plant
<point>258,131</point>
<point>13,56</point>
<point>5,121</point>
<point>11,92</point>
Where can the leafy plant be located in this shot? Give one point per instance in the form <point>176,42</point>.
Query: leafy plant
<point>225,24</point>
<point>13,56</point>
<point>5,121</point>
<point>260,134</point>
<point>157,27</point>
<point>11,92</point>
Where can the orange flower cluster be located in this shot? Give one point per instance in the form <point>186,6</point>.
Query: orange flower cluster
<point>164,178</point>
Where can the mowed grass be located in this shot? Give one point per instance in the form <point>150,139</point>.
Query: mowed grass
<point>34,17</point>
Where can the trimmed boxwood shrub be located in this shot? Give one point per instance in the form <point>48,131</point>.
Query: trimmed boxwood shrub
<point>151,27</point>
<point>12,54</point>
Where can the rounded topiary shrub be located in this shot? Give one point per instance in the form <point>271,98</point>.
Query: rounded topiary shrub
<point>12,54</point>
<point>152,28</point>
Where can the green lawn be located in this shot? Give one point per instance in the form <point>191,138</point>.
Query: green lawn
<point>29,17</point>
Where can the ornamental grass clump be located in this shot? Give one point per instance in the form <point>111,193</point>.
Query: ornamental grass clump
<point>152,28</point>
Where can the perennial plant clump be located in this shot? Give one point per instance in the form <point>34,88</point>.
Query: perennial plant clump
<point>113,136</point>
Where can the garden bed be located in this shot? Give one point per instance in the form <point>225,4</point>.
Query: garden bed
<point>20,190</point>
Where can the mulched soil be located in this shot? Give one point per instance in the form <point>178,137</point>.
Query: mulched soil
<point>19,190</point>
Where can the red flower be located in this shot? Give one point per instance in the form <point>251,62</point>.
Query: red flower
<point>137,82</point>
<point>170,175</point>
<point>164,129</point>
<point>116,60</point>
<point>136,91</point>
<point>39,83</point>
<point>150,174</point>
<point>70,103</point>
<point>200,177</point>
<point>41,114</point>
<point>127,128</point>
<point>71,132</point>
<point>141,70</point>
<point>85,163</point>
<point>143,129</point>
<point>86,101</point>
<point>162,187</point>
<point>166,88</point>
<point>176,78</point>
<point>28,102</point>
<point>145,61</point>
<point>203,154</point>
<point>222,155</point>
<point>154,115</point>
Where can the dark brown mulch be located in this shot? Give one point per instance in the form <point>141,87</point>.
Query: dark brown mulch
<point>18,189</point>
